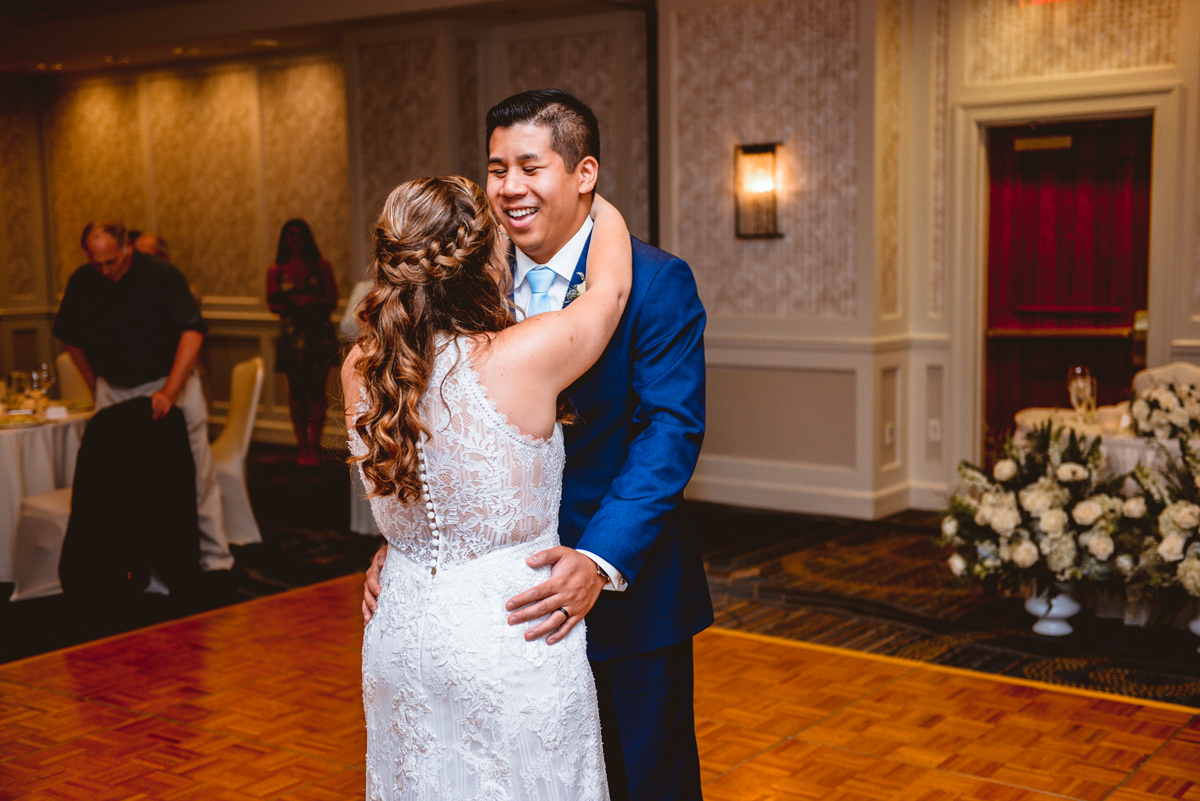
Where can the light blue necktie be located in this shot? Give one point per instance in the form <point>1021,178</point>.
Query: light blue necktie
<point>540,280</point>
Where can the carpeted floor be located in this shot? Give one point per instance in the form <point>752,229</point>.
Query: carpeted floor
<point>879,587</point>
<point>882,587</point>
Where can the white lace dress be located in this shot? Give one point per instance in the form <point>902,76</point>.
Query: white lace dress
<point>458,705</point>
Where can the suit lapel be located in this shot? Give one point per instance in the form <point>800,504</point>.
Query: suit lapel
<point>580,272</point>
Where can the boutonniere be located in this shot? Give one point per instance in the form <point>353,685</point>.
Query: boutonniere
<point>578,289</point>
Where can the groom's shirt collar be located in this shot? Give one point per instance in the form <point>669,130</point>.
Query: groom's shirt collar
<point>563,263</point>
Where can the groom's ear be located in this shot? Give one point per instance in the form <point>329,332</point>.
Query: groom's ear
<point>587,171</point>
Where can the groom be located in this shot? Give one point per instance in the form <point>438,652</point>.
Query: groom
<point>629,559</point>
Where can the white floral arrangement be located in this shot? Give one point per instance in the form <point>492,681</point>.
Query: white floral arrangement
<point>1167,411</point>
<point>1164,546</point>
<point>1044,513</point>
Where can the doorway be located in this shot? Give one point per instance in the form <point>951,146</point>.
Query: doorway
<point>1068,256</point>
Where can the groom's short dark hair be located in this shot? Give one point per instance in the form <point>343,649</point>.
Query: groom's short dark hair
<point>574,131</point>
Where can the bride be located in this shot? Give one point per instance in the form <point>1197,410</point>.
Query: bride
<point>457,431</point>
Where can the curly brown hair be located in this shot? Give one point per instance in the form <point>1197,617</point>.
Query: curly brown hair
<point>439,268</point>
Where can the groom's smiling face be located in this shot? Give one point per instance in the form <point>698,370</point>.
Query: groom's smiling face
<point>540,203</point>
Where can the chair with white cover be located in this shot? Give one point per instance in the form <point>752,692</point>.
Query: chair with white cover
<point>229,451</point>
<point>1178,373</point>
<point>39,543</point>
<point>71,385</point>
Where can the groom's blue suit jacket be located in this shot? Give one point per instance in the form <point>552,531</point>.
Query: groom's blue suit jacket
<point>629,457</point>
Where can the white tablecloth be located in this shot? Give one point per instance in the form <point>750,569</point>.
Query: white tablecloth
<point>33,460</point>
<point>1123,450</point>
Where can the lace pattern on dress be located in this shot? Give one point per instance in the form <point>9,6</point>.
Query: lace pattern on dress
<point>458,705</point>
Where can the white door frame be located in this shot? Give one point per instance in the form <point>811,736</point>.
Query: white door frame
<point>967,218</point>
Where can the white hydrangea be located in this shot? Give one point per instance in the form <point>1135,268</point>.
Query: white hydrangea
<point>958,565</point>
<point>1141,410</point>
<point>1004,470</point>
<point>1134,507</point>
<point>1070,472</point>
<point>1025,554</point>
<point>1087,512</point>
<point>1059,553</point>
<point>1178,417</point>
<point>1005,519</point>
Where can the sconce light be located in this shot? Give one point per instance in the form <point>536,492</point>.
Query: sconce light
<point>755,191</point>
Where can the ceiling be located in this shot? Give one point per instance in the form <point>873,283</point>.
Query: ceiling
<point>82,36</point>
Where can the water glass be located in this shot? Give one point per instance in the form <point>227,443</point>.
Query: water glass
<point>40,381</point>
<point>18,386</point>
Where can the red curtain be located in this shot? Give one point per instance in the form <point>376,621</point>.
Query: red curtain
<point>1068,249</point>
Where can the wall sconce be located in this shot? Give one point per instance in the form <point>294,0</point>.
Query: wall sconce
<point>755,191</point>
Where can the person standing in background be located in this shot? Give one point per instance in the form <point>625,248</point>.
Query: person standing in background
<point>134,330</point>
<point>302,291</point>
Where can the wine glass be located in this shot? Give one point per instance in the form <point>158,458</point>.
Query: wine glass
<point>1081,387</point>
<point>18,386</point>
<point>42,379</point>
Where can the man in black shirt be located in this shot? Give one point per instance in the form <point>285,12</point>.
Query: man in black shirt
<point>132,327</point>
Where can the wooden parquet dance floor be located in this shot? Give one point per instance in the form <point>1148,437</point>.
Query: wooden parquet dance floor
<point>261,701</point>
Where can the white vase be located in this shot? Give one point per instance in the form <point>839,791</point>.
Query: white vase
<point>1052,613</point>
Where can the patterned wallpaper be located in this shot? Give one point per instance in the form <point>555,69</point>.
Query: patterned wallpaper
<point>590,65</point>
<point>19,257</point>
<point>96,163</point>
<point>214,161</point>
<point>206,190</point>
<point>471,157</point>
<point>397,85</point>
<point>1008,41</point>
<point>937,250</point>
<point>887,155</point>
<point>771,70</point>
<point>304,157</point>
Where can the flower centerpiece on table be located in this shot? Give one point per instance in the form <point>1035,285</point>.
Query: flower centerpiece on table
<point>1167,411</point>
<point>1043,514</point>
<point>1164,544</point>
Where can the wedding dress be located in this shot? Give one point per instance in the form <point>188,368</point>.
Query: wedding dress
<point>458,705</point>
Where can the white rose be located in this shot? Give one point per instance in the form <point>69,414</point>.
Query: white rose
<point>1189,575</point>
<point>1135,507</point>
<point>1186,515</point>
<point>949,527</point>
<point>1125,563</point>
<point>1024,554</point>
<point>1141,410</point>
<point>1178,418</point>
<point>1087,512</point>
<point>1053,522</point>
<point>984,516</point>
<point>1036,500</point>
<point>1101,546</point>
<point>958,565</point>
<point>1171,548</point>
<point>1004,470</point>
<point>1160,419</point>
<point>1069,472</point>
<point>1169,401</point>
<point>1005,519</point>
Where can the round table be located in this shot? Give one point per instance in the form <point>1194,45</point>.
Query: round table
<point>33,459</point>
<point>1122,449</point>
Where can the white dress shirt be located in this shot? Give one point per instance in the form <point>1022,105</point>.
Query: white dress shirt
<point>564,264</point>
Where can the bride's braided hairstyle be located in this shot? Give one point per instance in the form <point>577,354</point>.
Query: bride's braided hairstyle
<point>439,268</point>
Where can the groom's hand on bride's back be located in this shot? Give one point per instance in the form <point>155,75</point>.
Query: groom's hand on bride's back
<point>573,585</point>
<point>371,585</point>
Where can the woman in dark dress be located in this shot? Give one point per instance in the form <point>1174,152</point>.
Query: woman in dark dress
<point>302,291</point>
